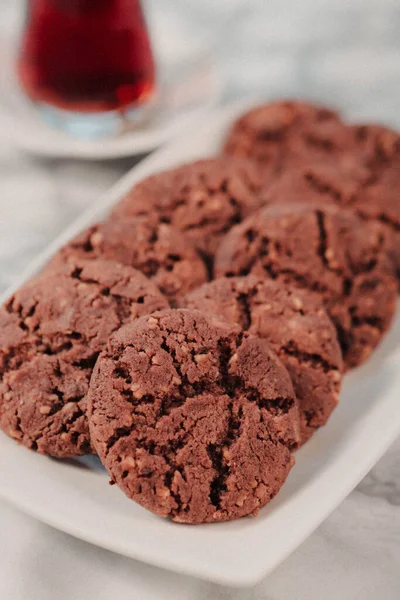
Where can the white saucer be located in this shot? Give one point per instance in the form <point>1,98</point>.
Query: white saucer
<point>189,87</point>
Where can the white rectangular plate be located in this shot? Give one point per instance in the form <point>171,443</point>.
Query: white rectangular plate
<point>74,497</point>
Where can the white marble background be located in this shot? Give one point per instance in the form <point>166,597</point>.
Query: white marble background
<point>346,52</point>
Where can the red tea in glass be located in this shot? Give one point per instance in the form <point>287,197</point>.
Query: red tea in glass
<point>86,57</point>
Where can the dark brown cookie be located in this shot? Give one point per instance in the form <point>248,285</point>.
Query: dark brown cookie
<point>328,251</point>
<point>377,145</point>
<point>51,332</point>
<point>297,328</point>
<point>380,203</point>
<point>159,251</point>
<point>319,183</point>
<point>192,418</point>
<point>349,184</point>
<point>203,199</point>
<point>284,134</point>
<point>379,148</point>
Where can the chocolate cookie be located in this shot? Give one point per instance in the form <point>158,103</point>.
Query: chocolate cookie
<point>51,332</point>
<point>203,199</point>
<point>285,134</point>
<point>349,184</point>
<point>379,203</point>
<point>319,183</point>
<point>378,146</point>
<point>297,328</point>
<point>192,418</point>
<point>160,252</point>
<point>330,252</point>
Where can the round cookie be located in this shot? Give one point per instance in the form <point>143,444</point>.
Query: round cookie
<point>51,333</point>
<point>337,183</point>
<point>349,184</point>
<point>295,325</point>
<point>191,418</point>
<point>156,249</point>
<point>380,204</point>
<point>328,251</point>
<point>378,146</point>
<point>284,134</point>
<point>203,199</point>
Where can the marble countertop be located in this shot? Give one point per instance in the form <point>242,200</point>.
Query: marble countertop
<point>343,52</point>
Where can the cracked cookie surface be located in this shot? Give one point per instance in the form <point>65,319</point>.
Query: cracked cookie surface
<point>298,329</point>
<point>284,134</point>
<point>377,145</point>
<point>330,252</point>
<point>380,204</point>
<point>320,183</point>
<point>379,148</point>
<point>156,249</point>
<point>372,194</point>
<point>51,333</point>
<point>203,199</point>
<point>192,418</point>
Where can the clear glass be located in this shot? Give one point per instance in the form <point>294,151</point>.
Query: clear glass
<point>87,64</point>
